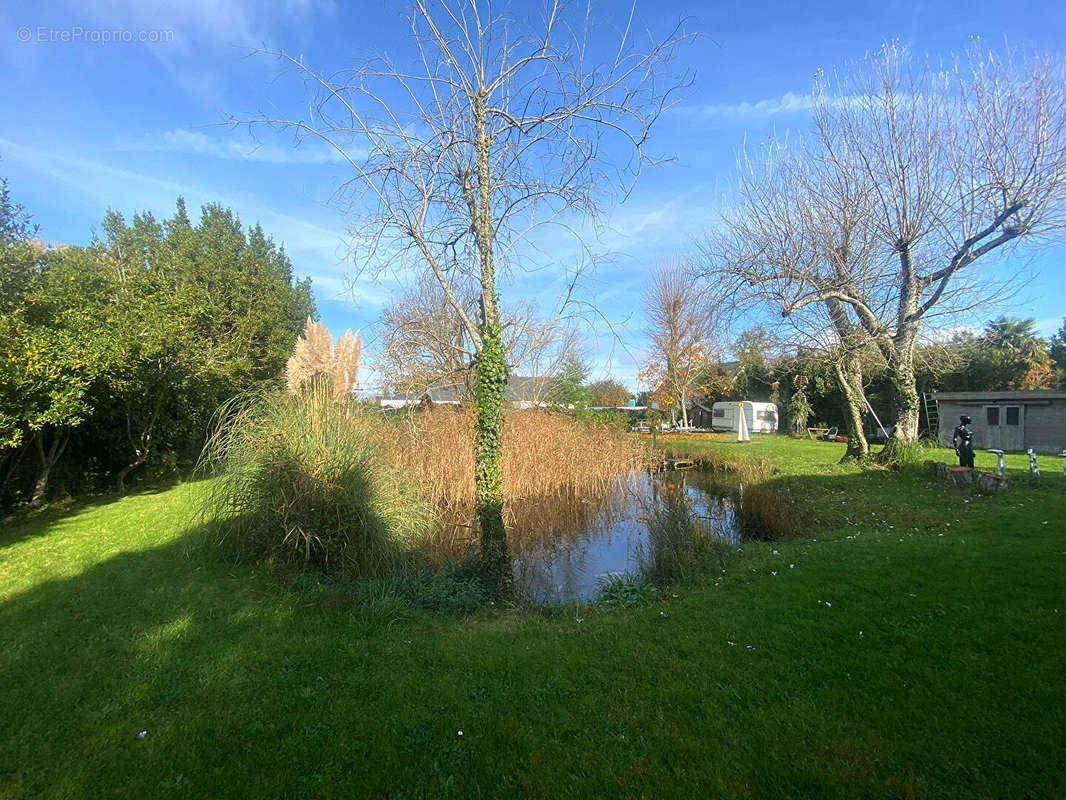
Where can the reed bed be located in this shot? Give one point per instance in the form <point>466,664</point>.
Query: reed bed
<point>303,478</point>
<point>545,455</point>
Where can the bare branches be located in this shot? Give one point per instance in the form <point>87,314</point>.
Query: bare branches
<point>681,329</point>
<point>499,127</point>
<point>912,175</point>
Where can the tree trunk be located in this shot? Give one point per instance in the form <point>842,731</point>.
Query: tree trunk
<point>490,379</point>
<point>47,458</point>
<point>120,478</point>
<point>490,375</point>
<point>905,401</point>
<point>900,357</point>
<point>848,374</point>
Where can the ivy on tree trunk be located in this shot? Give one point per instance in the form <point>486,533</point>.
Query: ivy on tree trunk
<point>490,379</point>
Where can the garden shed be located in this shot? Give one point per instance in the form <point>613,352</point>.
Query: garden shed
<point>1014,420</point>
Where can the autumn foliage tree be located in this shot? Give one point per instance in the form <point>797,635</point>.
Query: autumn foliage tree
<point>681,328</point>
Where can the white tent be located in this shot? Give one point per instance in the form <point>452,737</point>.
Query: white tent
<point>742,425</point>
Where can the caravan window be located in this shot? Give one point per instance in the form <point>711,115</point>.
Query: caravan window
<point>719,412</point>
<point>769,416</point>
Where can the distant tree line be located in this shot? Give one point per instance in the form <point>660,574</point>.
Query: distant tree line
<point>1008,354</point>
<point>116,355</point>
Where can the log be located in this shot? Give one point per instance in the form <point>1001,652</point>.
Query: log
<point>988,483</point>
<point>961,476</point>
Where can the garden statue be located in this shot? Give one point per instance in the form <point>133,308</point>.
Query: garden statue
<point>1034,470</point>
<point>962,438</point>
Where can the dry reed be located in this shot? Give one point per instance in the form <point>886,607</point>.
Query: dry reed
<point>545,454</point>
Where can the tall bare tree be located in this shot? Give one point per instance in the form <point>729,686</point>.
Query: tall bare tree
<point>424,344</point>
<point>954,164</point>
<point>681,328</point>
<point>799,227</point>
<point>499,125</point>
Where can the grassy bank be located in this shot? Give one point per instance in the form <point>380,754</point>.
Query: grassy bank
<point>908,644</point>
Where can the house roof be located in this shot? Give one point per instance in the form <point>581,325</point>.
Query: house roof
<point>1018,394</point>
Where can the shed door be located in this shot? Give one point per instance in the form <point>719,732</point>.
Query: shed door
<point>1006,427</point>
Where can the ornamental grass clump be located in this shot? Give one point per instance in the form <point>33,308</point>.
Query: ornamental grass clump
<point>302,479</point>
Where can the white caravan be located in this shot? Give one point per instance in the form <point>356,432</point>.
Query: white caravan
<point>761,417</point>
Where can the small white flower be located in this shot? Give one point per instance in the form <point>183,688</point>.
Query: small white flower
<point>460,733</point>
<point>579,620</point>
<point>142,734</point>
<point>776,553</point>
<point>773,572</point>
<point>662,613</point>
<point>731,644</point>
<point>860,633</point>
<point>828,604</point>
<point>751,648</point>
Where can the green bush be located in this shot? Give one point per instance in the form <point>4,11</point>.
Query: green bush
<point>906,455</point>
<point>626,590</point>
<point>301,479</point>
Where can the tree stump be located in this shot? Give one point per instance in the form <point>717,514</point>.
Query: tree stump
<point>989,484</point>
<point>929,465</point>
<point>941,470</point>
<point>961,476</point>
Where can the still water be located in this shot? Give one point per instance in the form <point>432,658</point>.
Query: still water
<point>573,550</point>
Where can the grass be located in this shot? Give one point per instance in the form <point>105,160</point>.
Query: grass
<point>908,643</point>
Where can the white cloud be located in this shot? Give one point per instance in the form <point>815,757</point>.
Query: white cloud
<point>206,22</point>
<point>203,33</point>
<point>788,103</point>
<point>180,140</point>
<point>316,249</point>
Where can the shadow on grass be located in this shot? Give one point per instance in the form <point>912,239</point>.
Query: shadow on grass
<point>242,689</point>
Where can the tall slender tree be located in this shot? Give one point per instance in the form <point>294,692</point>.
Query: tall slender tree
<point>681,329</point>
<point>497,126</point>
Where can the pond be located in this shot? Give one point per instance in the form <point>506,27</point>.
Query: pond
<point>648,523</point>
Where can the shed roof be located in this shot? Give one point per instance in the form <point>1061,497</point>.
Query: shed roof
<point>1018,395</point>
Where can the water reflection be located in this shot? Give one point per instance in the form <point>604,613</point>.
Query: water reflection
<point>649,523</point>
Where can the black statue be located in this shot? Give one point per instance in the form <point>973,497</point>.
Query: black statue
<point>962,438</point>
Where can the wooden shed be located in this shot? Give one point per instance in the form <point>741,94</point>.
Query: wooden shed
<point>1007,420</point>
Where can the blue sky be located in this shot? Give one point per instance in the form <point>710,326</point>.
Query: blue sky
<point>89,125</point>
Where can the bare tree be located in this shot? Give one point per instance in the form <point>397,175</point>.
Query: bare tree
<point>954,164</point>
<point>681,328</point>
<point>498,126</point>
<point>425,346</point>
<point>800,227</point>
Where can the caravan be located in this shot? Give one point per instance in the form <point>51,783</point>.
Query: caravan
<point>761,417</point>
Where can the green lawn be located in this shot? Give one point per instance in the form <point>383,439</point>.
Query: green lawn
<point>911,644</point>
